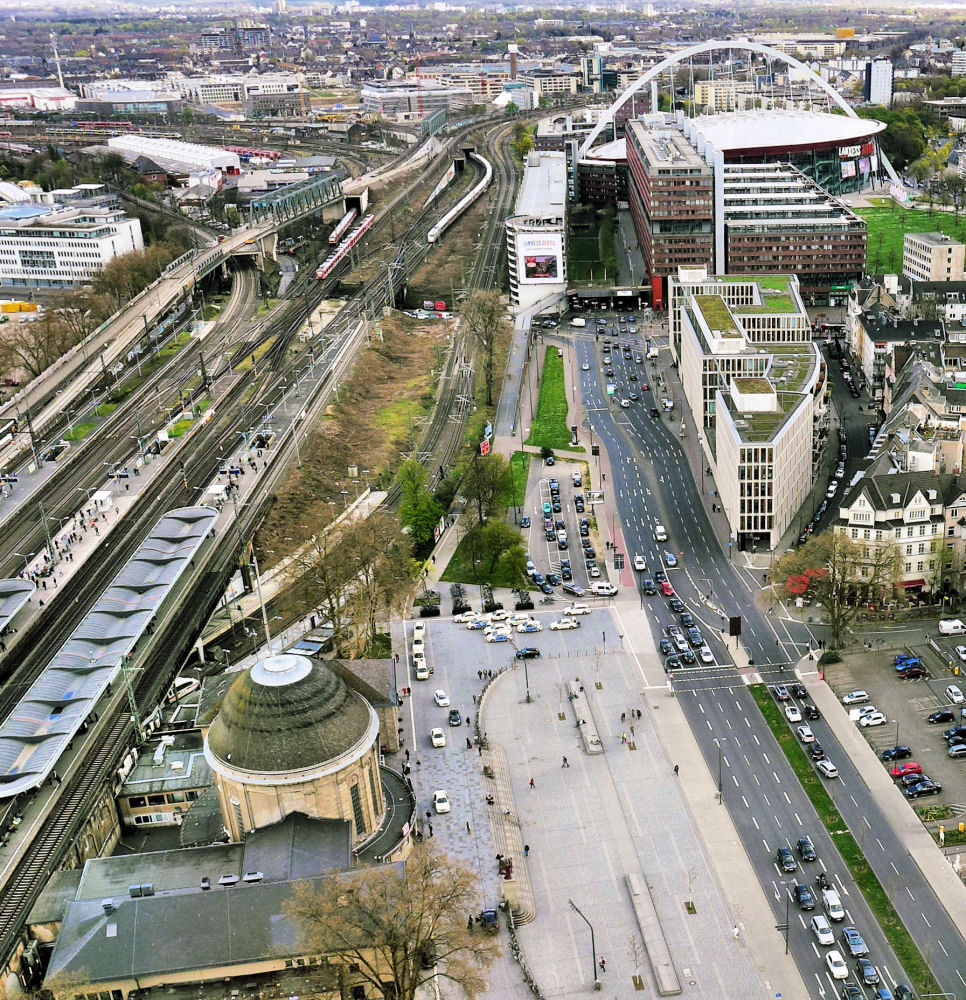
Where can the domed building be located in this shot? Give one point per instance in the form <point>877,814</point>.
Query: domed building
<point>291,737</point>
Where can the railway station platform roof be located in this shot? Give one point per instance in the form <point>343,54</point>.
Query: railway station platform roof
<point>59,701</point>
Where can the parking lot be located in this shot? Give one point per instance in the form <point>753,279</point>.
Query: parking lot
<point>907,704</point>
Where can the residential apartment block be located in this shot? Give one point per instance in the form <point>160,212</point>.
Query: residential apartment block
<point>932,257</point>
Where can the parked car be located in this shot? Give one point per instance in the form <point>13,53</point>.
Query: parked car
<point>856,697</point>
<point>926,787</point>
<point>901,770</point>
<point>898,752</point>
<point>873,719</point>
<point>942,715</point>
<point>527,653</point>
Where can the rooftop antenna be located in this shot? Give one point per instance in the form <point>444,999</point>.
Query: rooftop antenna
<point>60,72</point>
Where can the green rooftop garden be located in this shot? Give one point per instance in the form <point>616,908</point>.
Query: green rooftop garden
<point>717,314</point>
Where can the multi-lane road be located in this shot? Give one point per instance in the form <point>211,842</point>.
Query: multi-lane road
<point>650,481</point>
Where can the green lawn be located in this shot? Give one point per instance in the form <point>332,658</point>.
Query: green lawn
<point>851,851</point>
<point>520,468</point>
<point>549,428</point>
<point>461,569</point>
<point>887,226</point>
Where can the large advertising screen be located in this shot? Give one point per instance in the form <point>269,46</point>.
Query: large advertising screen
<point>540,258</point>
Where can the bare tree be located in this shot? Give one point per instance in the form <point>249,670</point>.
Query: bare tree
<point>488,485</point>
<point>841,573</point>
<point>485,320</point>
<point>35,345</point>
<point>397,927</point>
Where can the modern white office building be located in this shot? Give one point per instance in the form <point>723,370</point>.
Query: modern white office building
<point>57,246</point>
<point>536,233</point>
<point>754,383</point>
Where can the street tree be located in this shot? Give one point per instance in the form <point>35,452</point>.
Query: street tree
<point>488,486</point>
<point>418,510</point>
<point>940,559</point>
<point>485,320</point>
<point>493,543</point>
<point>33,347</point>
<point>840,573</point>
<point>384,923</point>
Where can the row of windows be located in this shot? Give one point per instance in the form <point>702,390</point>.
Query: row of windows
<point>167,798</point>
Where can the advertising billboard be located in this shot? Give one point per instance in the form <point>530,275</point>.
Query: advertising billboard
<point>540,258</point>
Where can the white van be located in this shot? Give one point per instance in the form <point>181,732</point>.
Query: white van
<point>660,533</point>
<point>603,589</point>
<point>951,626</point>
<point>578,321</point>
<point>833,905</point>
<point>577,477</point>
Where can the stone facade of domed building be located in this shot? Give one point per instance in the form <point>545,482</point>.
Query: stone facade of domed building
<point>292,737</point>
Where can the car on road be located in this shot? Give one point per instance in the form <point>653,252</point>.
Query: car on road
<point>666,589</point>
<point>926,787</point>
<point>866,971</point>
<point>454,718</point>
<point>500,636</point>
<point>904,992</point>
<point>531,626</point>
<point>851,991</point>
<point>786,860</point>
<point>667,647</point>
<point>705,654</point>
<point>441,698</point>
<point>687,620</point>
<point>625,403</point>
<point>695,637</point>
<point>873,719</point>
<point>670,560</point>
<point>441,801</point>
<point>527,653</point>
<point>901,770</point>
<point>817,751</point>
<point>942,715</point>
<point>792,713</point>
<point>437,737</point>
<point>853,941</point>
<point>648,586</point>
<point>836,965</point>
<point>676,605</point>
<point>466,617</point>
<point>855,697</point>
<point>780,692</point>
<point>585,367</point>
<point>577,609</point>
<point>961,653</point>
<point>882,993</point>
<point>822,929</point>
<point>525,521</point>
<point>562,624</point>
<point>798,690</point>
<point>421,671</point>
<point>639,564</point>
<point>805,848</point>
<point>547,509</point>
<point>805,734</point>
<point>688,657</point>
<point>419,632</point>
<point>827,769</point>
<point>810,711</point>
<point>899,752</point>
<point>803,896</point>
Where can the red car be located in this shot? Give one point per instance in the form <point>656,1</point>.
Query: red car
<point>906,767</point>
<point>666,589</point>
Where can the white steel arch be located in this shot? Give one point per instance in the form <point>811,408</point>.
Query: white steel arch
<point>714,45</point>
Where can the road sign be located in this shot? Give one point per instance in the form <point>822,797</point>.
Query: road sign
<point>484,447</point>
<point>488,430</point>
<point>618,560</point>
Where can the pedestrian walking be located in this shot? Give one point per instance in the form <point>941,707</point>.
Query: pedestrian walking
<point>638,714</point>
<point>526,850</point>
<point>407,755</point>
<point>429,815</point>
<point>735,932</point>
<point>566,763</point>
<point>623,737</point>
<point>430,829</point>
<point>623,717</point>
<point>532,783</point>
<point>469,743</point>
<point>675,769</point>
<point>603,964</point>
<point>468,830</point>
<point>632,730</point>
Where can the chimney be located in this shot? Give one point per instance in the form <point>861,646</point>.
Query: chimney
<point>513,49</point>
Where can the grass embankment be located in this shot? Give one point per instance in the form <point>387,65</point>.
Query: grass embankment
<point>549,428</point>
<point>887,226</point>
<point>879,902</point>
<point>520,469</point>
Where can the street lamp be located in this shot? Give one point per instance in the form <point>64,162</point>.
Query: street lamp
<point>526,671</point>
<point>717,742</point>
<point>593,947</point>
<point>26,556</point>
<point>785,883</point>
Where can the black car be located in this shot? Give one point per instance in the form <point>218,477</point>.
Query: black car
<point>903,991</point>
<point>926,787</point>
<point>553,579</point>
<point>850,991</point>
<point>798,690</point>
<point>803,896</point>
<point>900,752</point>
<point>786,860</point>
<point>694,637</point>
<point>954,735</point>
<point>590,554</point>
<point>943,715</point>
<point>566,573</point>
<point>866,971</point>
<point>687,620</point>
<point>549,460</point>
<point>815,749</point>
<point>676,605</point>
<point>648,586</point>
<point>584,531</point>
<point>556,505</point>
<point>527,653</point>
<point>524,521</point>
<point>660,576</point>
<point>667,647</point>
<point>550,534</point>
<point>673,663</point>
<point>811,712</point>
<point>455,719</point>
<point>546,588</point>
<point>688,656</point>
<point>805,848</point>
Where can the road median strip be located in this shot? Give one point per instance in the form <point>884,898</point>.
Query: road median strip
<point>852,854</point>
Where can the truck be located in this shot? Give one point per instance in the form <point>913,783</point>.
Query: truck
<point>578,321</point>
